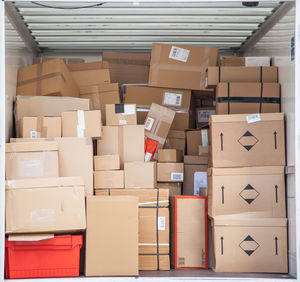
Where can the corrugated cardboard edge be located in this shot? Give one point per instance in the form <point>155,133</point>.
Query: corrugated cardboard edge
<point>258,170</point>
<point>249,220</point>
<point>243,117</point>
<point>31,147</point>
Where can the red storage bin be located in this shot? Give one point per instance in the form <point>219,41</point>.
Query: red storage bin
<point>56,257</point>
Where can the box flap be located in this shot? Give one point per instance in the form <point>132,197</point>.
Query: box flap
<point>29,237</point>
<point>243,117</point>
<point>30,147</point>
<point>88,66</point>
<point>259,170</point>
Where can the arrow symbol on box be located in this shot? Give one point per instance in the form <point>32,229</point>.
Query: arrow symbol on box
<point>222,194</point>
<point>221,135</point>
<point>276,193</point>
<point>222,245</point>
<point>275,140</point>
<point>276,246</point>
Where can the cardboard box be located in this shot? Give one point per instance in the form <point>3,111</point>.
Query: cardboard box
<point>121,114</point>
<point>216,75</point>
<point>189,237</point>
<point>175,140</point>
<point>246,61</point>
<point>81,124</point>
<point>49,78</point>
<point>203,151</point>
<point>31,160</point>
<point>112,236</point>
<point>40,127</point>
<point>247,98</point>
<point>140,174</point>
<point>174,187</point>
<point>170,172</point>
<point>194,138</point>
<point>55,205</point>
<point>38,60</point>
<point>100,95</point>
<point>128,67</point>
<point>250,244</point>
<point>170,156</point>
<point>203,114</point>
<point>107,162</point>
<point>108,179</point>
<point>183,121</point>
<point>180,66</point>
<point>153,212</point>
<point>236,142</point>
<point>126,141</point>
<point>257,191</point>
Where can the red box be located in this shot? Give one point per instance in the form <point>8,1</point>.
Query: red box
<point>56,257</point>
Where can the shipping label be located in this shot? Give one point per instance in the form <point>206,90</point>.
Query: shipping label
<point>179,54</point>
<point>149,123</point>
<point>129,109</point>
<point>203,115</point>
<point>253,118</point>
<point>172,99</point>
<point>176,176</point>
<point>33,134</point>
<point>200,181</point>
<point>161,223</point>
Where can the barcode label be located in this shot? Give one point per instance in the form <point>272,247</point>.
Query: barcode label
<point>179,54</point>
<point>180,261</point>
<point>253,118</point>
<point>33,134</point>
<point>148,157</point>
<point>204,136</point>
<point>203,115</point>
<point>177,176</point>
<point>149,123</point>
<point>161,223</point>
<point>172,99</point>
<point>122,121</point>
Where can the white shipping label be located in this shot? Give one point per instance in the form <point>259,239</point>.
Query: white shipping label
<point>204,136</point>
<point>161,223</point>
<point>200,181</point>
<point>122,121</point>
<point>33,134</point>
<point>177,176</point>
<point>253,118</point>
<point>149,123</point>
<point>148,157</point>
<point>80,123</point>
<point>172,99</point>
<point>179,54</point>
<point>203,115</point>
<point>257,61</point>
<point>31,168</point>
<point>129,109</point>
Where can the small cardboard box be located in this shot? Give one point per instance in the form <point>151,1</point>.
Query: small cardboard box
<point>121,114</point>
<point>31,160</point>
<point>170,172</point>
<point>203,151</point>
<point>180,66</point>
<point>112,179</point>
<point>183,121</point>
<point>247,140</point>
<point>245,61</point>
<point>189,237</point>
<point>243,244</point>
<point>40,127</point>
<point>170,156</point>
<point>81,124</point>
<point>140,174</point>
<point>247,98</point>
<point>45,205</point>
<point>194,138</point>
<point>107,162</point>
<point>257,191</point>
<point>112,236</point>
<point>175,140</point>
<point>173,187</point>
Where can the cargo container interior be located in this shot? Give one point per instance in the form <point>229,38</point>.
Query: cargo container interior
<point>29,29</point>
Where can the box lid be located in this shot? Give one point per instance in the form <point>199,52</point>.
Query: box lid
<point>258,170</point>
<point>195,160</point>
<point>88,66</point>
<point>30,147</point>
<point>243,117</point>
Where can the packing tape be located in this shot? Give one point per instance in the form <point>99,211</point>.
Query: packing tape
<point>154,244</point>
<point>80,123</point>
<point>154,202</point>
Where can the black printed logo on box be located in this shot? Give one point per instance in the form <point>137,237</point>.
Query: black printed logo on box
<point>248,140</point>
<point>249,245</point>
<point>249,194</point>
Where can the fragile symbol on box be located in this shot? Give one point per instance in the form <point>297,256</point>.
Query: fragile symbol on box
<point>177,176</point>
<point>248,140</point>
<point>249,245</point>
<point>179,54</point>
<point>249,194</point>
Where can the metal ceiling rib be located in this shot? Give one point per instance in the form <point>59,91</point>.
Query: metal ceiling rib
<point>135,25</point>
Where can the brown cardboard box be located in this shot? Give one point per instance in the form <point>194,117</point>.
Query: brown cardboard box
<point>38,60</point>
<point>170,156</point>
<point>170,172</point>
<point>194,138</point>
<point>48,78</point>
<point>31,160</point>
<point>188,237</point>
<point>236,142</point>
<point>140,174</point>
<point>45,205</point>
<point>107,162</point>
<point>108,179</point>
<point>251,190</point>
<point>203,151</point>
<point>183,121</point>
<point>100,95</point>
<point>120,114</point>
<point>250,244</point>
<point>40,127</point>
<point>247,98</point>
<point>112,236</point>
<point>180,66</point>
<point>245,61</point>
<point>216,75</point>
<point>175,140</point>
<point>203,114</point>
<point>128,67</point>
<point>81,124</point>
<point>82,66</point>
<point>174,187</point>
<point>153,212</point>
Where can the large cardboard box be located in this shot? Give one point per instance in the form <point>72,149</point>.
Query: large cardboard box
<point>120,114</point>
<point>107,162</point>
<point>112,236</point>
<point>257,191</point>
<point>31,160</point>
<point>55,205</point>
<point>243,244</point>
<point>194,138</point>
<point>112,179</point>
<point>49,78</point>
<point>170,172</point>
<point>216,75</point>
<point>247,98</point>
<point>126,141</point>
<point>170,156</point>
<point>180,66</point>
<point>140,175</point>
<point>40,127</point>
<point>127,67</point>
<point>173,187</point>
<point>188,237</point>
<point>245,61</point>
<point>81,124</point>
<point>247,140</point>
<point>153,225</point>
<point>175,140</point>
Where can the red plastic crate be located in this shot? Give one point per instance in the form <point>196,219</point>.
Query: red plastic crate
<point>56,257</point>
